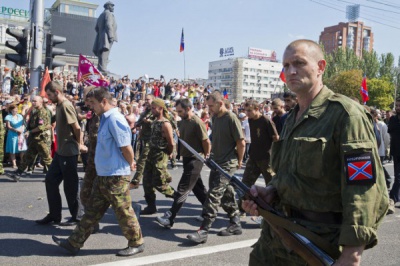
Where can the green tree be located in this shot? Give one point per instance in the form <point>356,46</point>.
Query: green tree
<point>346,82</point>
<point>380,93</point>
<point>387,66</point>
<point>370,64</point>
<point>340,60</point>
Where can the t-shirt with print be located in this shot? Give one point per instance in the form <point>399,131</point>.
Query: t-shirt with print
<point>65,117</point>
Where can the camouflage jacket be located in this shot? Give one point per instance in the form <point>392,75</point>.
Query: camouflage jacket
<point>314,163</point>
<point>39,118</point>
<point>157,141</point>
<point>93,128</point>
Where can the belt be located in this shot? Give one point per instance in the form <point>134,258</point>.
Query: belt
<point>311,216</point>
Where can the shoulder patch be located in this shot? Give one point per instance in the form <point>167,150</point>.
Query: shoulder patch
<point>360,168</point>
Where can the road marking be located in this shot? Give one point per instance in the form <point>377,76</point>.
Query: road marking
<point>181,254</point>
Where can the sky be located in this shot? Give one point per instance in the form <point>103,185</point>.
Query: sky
<point>149,31</point>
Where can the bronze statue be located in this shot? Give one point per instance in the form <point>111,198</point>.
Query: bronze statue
<point>106,29</point>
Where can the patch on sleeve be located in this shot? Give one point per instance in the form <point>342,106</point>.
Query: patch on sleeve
<point>40,121</point>
<point>360,168</point>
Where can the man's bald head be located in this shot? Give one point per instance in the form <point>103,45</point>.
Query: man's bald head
<point>39,99</point>
<point>37,102</point>
<point>313,48</point>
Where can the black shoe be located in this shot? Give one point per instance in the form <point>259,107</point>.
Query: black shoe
<point>48,219</point>
<point>16,175</point>
<point>130,251</point>
<point>70,222</point>
<point>96,229</point>
<point>148,211</point>
<point>200,236</point>
<point>64,243</point>
<point>233,229</point>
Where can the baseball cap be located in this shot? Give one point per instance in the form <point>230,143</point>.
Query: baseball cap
<point>242,115</point>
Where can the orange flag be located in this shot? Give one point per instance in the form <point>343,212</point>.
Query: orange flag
<point>46,79</point>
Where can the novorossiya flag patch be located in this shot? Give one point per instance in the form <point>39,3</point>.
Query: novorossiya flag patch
<point>360,168</point>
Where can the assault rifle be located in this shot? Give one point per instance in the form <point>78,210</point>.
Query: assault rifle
<point>295,241</point>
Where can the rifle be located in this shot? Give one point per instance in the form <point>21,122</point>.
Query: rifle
<point>295,241</point>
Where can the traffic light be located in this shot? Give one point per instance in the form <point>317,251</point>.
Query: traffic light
<point>20,46</point>
<point>51,51</point>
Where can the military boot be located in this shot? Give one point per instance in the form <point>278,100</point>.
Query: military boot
<point>200,236</point>
<point>233,229</point>
<point>150,208</point>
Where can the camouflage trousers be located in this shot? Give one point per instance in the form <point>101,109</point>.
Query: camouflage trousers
<point>35,148</point>
<point>269,249</point>
<point>1,151</point>
<point>108,190</point>
<point>252,172</point>
<point>88,179</point>
<point>220,192</point>
<point>141,163</point>
<point>156,176</point>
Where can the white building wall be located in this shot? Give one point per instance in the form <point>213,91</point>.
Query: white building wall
<point>259,79</point>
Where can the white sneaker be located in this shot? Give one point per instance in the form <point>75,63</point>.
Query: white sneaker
<point>199,218</point>
<point>164,220</point>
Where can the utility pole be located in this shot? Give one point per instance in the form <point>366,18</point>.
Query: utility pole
<point>37,18</point>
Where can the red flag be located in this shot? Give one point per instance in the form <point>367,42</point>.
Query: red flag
<point>89,74</point>
<point>182,46</point>
<point>282,75</point>
<point>45,80</point>
<point>364,90</point>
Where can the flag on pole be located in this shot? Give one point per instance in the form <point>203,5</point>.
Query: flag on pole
<point>45,80</point>
<point>182,46</point>
<point>282,75</point>
<point>364,90</point>
<point>225,94</point>
<point>89,74</point>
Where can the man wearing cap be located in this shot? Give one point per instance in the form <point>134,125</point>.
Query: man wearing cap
<point>106,29</point>
<point>161,146</point>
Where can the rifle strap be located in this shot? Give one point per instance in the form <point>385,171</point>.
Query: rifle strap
<point>323,244</point>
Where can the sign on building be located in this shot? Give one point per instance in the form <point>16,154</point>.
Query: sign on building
<point>262,54</point>
<point>226,52</point>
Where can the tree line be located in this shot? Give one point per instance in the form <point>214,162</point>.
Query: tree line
<point>345,71</point>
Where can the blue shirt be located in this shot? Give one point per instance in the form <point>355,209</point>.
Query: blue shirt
<point>114,133</point>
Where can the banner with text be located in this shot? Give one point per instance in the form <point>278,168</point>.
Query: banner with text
<point>262,54</point>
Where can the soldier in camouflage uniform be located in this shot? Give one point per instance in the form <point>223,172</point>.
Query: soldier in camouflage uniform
<point>38,128</point>
<point>155,175</point>
<point>90,170</point>
<point>329,178</point>
<point>114,159</point>
<point>227,135</point>
<point>144,121</point>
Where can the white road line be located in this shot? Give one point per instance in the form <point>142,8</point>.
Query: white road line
<point>181,254</point>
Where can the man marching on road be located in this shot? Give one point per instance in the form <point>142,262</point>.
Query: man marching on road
<point>114,161</point>
<point>193,131</point>
<point>65,161</point>
<point>155,176</point>
<point>227,135</point>
<point>38,128</point>
<point>329,178</point>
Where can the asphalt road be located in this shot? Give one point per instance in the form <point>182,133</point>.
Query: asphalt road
<point>22,242</point>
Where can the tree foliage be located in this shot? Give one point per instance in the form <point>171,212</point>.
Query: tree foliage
<point>346,82</point>
<point>381,93</point>
<point>386,69</point>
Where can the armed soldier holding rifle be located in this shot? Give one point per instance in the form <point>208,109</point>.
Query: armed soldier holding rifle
<point>328,175</point>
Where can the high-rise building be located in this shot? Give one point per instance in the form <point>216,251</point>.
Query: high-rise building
<point>350,35</point>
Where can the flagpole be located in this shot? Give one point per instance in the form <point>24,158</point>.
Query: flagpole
<point>184,66</point>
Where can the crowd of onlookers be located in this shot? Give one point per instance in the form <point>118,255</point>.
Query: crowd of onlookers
<point>129,97</point>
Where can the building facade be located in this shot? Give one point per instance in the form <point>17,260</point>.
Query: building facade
<point>64,18</point>
<point>350,35</point>
<point>245,78</point>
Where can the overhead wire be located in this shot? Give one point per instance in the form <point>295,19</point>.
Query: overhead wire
<point>385,4</point>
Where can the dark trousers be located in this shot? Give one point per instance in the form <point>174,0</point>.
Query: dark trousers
<point>395,191</point>
<point>387,176</point>
<point>190,180</point>
<point>62,168</point>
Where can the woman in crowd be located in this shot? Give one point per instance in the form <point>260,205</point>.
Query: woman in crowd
<point>15,126</point>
